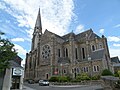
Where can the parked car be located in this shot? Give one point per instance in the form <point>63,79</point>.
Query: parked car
<point>31,81</point>
<point>43,83</point>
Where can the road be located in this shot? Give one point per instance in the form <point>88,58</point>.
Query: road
<point>75,87</point>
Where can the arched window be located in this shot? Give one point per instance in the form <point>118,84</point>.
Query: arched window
<point>58,52</point>
<point>95,68</point>
<point>93,47</point>
<point>83,53</point>
<point>66,52</point>
<point>76,53</point>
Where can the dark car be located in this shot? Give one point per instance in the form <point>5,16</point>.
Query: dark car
<point>43,83</point>
<point>31,81</point>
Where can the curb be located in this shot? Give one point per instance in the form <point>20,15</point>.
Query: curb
<point>68,86</point>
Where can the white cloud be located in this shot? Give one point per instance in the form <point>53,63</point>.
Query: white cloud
<point>102,31</point>
<point>79,29</point>
<point>17,40</point>
<point>21,51</point>
<point>114,52</point>
<point>116,26</point>
<point>116,45</point>
<point>30,32</point>
<point>114,39</point>
<point>56,14</point>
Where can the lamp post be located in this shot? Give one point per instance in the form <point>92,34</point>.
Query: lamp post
<point>89,59</point>
<point>61,68</point>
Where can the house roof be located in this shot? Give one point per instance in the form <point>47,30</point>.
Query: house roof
<point>14,64</point>
<point>115,59</point>
<point>116,65</point>
<point>88,34</point>
<point>63,60</point>
<point>98,54</point>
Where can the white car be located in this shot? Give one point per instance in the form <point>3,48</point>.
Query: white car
<point>43,83</point>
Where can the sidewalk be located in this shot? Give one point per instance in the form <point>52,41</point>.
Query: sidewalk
<point>25,88</point>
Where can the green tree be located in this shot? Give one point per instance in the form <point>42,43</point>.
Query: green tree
<point>119,73</point>
<point>7,52</point>
<point>107,72</point>
<point>82,76</point>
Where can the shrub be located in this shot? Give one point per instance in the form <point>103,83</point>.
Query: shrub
<point>116,74</point>
<point>83,76</point>
<point>119,73</point>
<point>64,79</point>
<point>76,80</point>
<point>53,79</point>
<point>107,72</point>
<point>60,79</point>
<point>96,77</point>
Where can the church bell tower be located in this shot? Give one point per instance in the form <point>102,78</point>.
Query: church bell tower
<point>37,31</point>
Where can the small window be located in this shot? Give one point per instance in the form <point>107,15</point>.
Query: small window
<point>76,53</point>
<point>100,45</point>
<point>83,53</point>
<point>85,69</point>
<point>64,71</point>
<point>78,70</point>
<point>95,68</point>
<point>58,52</point>
<point>66,51</point>
<point>93,47</point>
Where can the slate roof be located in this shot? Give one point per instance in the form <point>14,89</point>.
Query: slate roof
<point>83,34</point>
<point>68,35</point>
<point>79,37</point>
<point>53,34</point>
<point>93,36</point>
<point>98,54</point>
<point>116,65</point>
<point>14,64</point>
<point>63,60</point>
<point>115,59</point>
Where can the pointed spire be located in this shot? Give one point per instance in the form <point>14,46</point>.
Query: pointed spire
<point>38,24</point>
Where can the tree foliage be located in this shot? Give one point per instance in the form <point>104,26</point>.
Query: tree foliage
<point>60,79</point>
<point>7,52</point>
<point>107,72</point>
<point>119,73</point>
<point>82,76</point>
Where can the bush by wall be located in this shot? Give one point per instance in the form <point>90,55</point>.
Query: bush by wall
<point>96,77</point>
<point>83,76</point>
<point>60,79</point>
<point>107,72</point>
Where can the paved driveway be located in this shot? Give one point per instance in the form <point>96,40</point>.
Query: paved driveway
<point>54,87</point>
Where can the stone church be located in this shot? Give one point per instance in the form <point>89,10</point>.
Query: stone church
<point>68,55</point>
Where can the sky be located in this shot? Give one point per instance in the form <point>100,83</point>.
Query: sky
<point>18,17</point>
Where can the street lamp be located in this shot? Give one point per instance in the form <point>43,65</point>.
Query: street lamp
<point>89,59</point>
<point>61,68</point>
